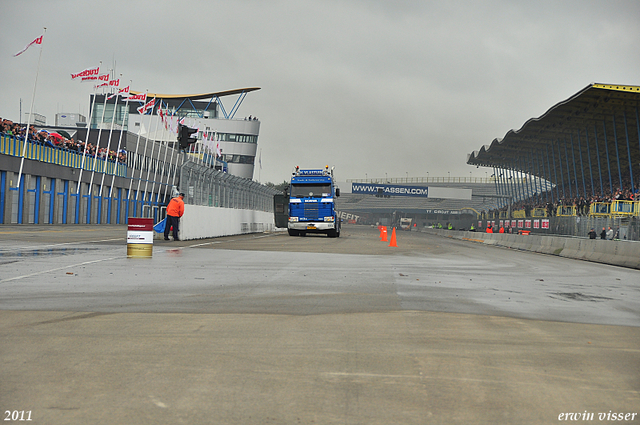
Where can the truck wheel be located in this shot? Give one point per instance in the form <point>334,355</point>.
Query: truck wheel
<point>293,232</point>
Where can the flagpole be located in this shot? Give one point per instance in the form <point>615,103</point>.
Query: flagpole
<point>164,159</point>
<point>175,169</point>
<point>33,98</point>
<point>95,156</point>
<point>153,145</point>
<point>260,169</point>
<point>113,120</point>
<point>135,156</point>
<point>144,153</point>
<point>160,116</point>
<point>126,115</point>
<point>166,150</point>
<point>208,150</point>
<point>170,160</point>
<point>86,142</point>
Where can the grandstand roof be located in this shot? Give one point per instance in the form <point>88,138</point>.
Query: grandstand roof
<point>200,95</point>
<point>581,120</point>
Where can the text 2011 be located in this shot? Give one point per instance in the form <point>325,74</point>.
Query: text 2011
<point>17,415</point>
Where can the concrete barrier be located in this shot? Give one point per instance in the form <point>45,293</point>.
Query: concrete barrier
<point>199,222</point>
<point>617,253</point>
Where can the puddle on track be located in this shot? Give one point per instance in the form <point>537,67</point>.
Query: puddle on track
<point>43,252</point>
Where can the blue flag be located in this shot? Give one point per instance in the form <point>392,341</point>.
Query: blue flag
<point>159,227</point>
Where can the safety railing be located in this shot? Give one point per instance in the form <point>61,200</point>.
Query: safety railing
<point>600,209</point>
<point>623,208</point>
<point>539,212</point>
<point>566,211</point>
<point>13,146</point>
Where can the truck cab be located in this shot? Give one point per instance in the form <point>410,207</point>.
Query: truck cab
<point>312,209</point>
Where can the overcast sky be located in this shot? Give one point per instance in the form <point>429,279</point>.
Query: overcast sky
<point>397,88</point>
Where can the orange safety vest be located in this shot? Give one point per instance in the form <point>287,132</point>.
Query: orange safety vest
<point>175,207</point>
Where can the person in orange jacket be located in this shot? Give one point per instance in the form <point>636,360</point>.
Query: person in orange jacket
<point>501,229</point>
<point>175,210</point>
<point>489,229</point>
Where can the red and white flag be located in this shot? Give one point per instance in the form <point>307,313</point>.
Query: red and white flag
<point>89,72</point>
<point>103,77</point>
<point>36,41</point>
<point>142,97</point>
<point>120,91</point>
<point>164,117</point>
<point>147,106</point>
<point>115,83</point>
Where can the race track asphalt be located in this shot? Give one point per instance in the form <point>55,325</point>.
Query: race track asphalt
<point>268,328</point>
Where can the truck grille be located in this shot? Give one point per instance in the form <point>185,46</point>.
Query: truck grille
<point>311,211</point>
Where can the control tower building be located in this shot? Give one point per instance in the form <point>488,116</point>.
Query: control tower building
<point>236,139</point>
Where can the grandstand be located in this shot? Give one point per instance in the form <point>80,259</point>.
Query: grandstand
<point>116,168</point>
<point>588,150</point>
<point>586,147</point>
<point>575,167</point>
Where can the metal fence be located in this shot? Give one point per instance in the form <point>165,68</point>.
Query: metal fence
<point>203,185</point>
<point>626,228</point>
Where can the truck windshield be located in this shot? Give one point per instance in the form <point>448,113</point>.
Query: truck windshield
<point>310,190</point>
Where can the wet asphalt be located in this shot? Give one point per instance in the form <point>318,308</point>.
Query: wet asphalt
<point>267,328</point>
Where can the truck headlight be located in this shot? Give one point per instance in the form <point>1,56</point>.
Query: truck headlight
<point>293,218</point>
<point>329,218</point>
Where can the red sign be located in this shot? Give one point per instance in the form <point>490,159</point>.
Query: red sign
<point>140,224</point>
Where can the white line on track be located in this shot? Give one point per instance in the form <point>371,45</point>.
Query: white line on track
<point>104,259</point>
<point>61,268</point>
<point>34,247</point>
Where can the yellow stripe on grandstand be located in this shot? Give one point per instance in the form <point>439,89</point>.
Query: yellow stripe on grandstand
<point>635,89</point>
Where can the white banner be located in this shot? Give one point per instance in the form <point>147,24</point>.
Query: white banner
<point>89,72</point>
<point>36,41</point>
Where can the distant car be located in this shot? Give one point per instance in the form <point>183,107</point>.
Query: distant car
<point>405,223</point>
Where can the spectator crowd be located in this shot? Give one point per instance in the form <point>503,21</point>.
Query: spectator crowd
<point>582,204</point>
<point>57,140</point>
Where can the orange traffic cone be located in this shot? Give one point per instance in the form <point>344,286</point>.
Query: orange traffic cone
<point>383,234</point>
<point>393,238</point>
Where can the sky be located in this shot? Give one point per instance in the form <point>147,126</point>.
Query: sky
<point>373,88</point>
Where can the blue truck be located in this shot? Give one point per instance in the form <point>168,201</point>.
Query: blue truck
<point>312,207</point>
